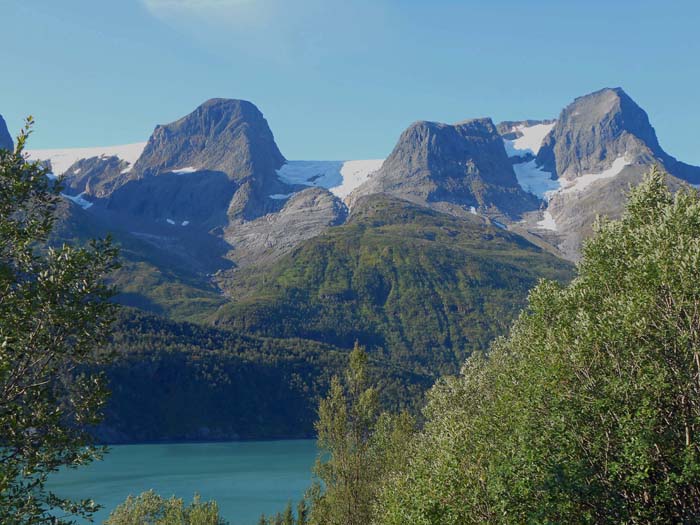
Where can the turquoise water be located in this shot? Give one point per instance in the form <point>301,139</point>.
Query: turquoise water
<point>245,478</point>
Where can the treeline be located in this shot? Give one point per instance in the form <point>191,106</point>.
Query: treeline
<point>421,288</point>
<point>183,381</point>
<point>588,412</point>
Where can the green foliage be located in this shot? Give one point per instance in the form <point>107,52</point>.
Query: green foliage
<point>54,314</point>
<point>421,287</point>
<point>589,411</point>
<point>288,515</point>
<point>302,513</point>
<point>187,377</point>
<point>358,447</point>
<point>148,279</point>
<point>151,509</point>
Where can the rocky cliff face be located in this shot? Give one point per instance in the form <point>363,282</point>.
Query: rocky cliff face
<point>454,168</point>
<point>226,135</point>
<point>601,144</point>
<point>5,137</point>
<point>221,135</point>
<point>96,176</point>
<point>304,215</point>
<point>596,129</point>
<point>212,167</point>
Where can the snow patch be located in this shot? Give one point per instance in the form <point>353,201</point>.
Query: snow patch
<point>185,223</point>
<point>170,221</point>
<point>354,173</point>
<point>62,159</point>
<point>323,173</point>
<point>548,222</point>
<point>581,182</point>
<point>472,210</point>
<point>530,141</point>
<point>340,177</point>
<point>79,200</point>
<point>182,171</point>
<point>535,180</point>
<point>280,196</point>
<point>499,224</point>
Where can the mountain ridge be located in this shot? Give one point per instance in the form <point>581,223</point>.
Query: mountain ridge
<point>458,168</point>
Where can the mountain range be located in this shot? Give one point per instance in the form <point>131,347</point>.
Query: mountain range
<point>423,257</point>
<point>218,170</point>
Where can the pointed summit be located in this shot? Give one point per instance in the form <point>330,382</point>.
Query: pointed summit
<point>5,137</point>
<point>226,135</point>
<point>597,129</point>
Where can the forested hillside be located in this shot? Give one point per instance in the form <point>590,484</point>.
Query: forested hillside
<point>178,381</point>
<point>421,287</point>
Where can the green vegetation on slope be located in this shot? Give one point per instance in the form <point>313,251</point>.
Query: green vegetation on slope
<point>55,314</point>
<point>151,278</point>
<point>589,412</point>
<point>424,288</point>
<point>420,289</point>
<point>183,381</point>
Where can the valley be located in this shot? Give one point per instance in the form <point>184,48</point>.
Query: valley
<point>243,270</point>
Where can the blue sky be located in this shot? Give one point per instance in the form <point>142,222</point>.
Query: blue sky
<point>341,79</point>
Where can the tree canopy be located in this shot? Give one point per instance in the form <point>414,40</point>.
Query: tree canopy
<point>589,411</point>
<point>54,316</point>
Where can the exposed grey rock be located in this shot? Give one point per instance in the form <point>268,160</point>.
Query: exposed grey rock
<point>205,180</point>
<point>575,213</point>
<point>452,168</point>
<point>5,137</point>
<point>96,176</point>
<point>600,127</point>
<point>200,198</point>
<point>304,215</point>
<point>225,135</point>
<point>588,137</point>
<point>228,136</point>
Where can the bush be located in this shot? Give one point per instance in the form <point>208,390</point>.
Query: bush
<point>589,412</point>
<point>151,509</point>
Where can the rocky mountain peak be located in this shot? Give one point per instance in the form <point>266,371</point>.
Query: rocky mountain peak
<point>225,140</point>
<point>595,130</point>
<point>451,167</point>
<point>5,137</point>
<point>226,135</point>
<point>598,129</point>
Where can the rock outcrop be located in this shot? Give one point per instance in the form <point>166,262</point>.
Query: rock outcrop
<point>596,129</point>
<point>96,176</point>
<point>304,215</point>
<point>453,168</point>
<point>5,137</point>
<point>601,144</point>
<point>221,135</point>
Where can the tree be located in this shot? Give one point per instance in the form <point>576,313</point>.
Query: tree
<point>288,515</point>
<point>151,509</point>
<point>589,411</point>
<point>54,316</point>
<point>302,512</point>
<point>262,520</point>
<point>358,445</point>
